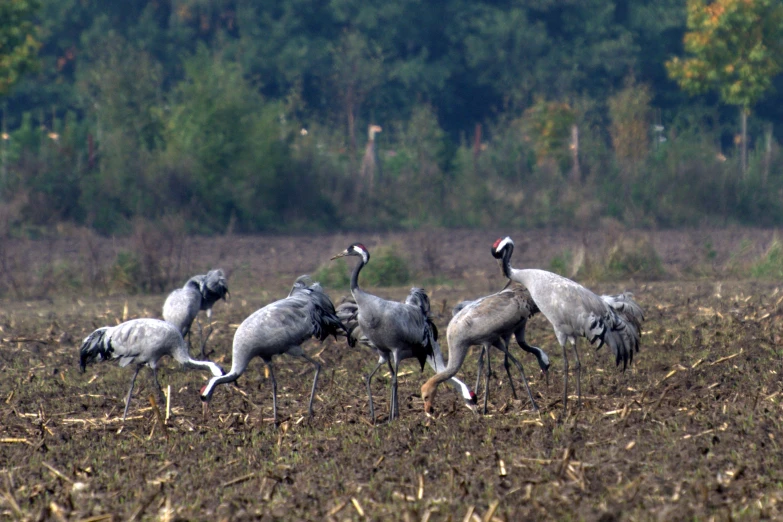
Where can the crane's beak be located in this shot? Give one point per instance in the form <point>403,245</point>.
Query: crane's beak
<point>341,254</point>
<point>546,375</point>
<point>228,296</point>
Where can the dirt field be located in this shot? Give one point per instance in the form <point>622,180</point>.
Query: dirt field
<point>692,431</point>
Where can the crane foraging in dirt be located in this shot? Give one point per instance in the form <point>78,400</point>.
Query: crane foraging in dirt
<point>278,328</point>
<point>492,320</point>
<point>200,292</point>
<point>488,321</point>
<point>574,311</point>
<point>348,312</point>
<point>394,329</point>
<point>140,342</point>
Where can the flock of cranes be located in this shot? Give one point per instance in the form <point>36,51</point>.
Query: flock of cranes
<point>395,331</point>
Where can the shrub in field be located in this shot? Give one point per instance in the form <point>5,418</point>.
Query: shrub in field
<point>634,258</point>
<point>770,264</point>
<point>386,268</point>
<point>624,259</point>
<point>333,275</point>
<point>561,263</point>
<point>125,272</point>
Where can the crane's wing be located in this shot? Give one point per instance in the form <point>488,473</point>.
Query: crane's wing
<point>626,307</point>
<point>620,331</point>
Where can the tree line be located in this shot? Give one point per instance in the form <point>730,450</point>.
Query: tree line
<point>297,115</point>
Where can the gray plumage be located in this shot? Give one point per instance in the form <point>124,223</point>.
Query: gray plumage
<point>394,329</point>
<point>506,312</point>
<point>348,312</point>
<point>282,327</point>
<point>200,292</point>
<point>140,342</point>
<point>488,321</point>
<point>574,311</point>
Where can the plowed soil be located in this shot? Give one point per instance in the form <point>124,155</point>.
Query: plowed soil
<point>691,431</point>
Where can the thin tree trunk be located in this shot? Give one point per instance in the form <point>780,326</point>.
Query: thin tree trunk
<point>767,153</point>
<point>744,149</point>
<point>576,174</point>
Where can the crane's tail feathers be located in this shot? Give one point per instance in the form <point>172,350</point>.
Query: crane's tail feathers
<point>95,346</point>
<point>324,318</point>
<point>418,297</point>
<point>628,309</point>
<point>621,334</point>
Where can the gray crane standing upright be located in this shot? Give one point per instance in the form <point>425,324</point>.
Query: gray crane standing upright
<point>140,342</point>
<point>493,319</point>
<point>282,327</point>
<point>348,312</point>
<point>394,329</point>
<point>574,311</point>
<point>200,292</point>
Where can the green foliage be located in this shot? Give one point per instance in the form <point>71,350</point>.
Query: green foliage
<point>125,273</point>
<point>334,274</point>
<point>198,110</point>
<point>386,268</point>
<point>770,264</point>
<point>561,263</point>
<point>734,46</point>
<point>18,41</point>
<point>629,258</point>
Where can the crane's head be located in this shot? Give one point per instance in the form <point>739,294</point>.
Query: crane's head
<point>500,246</point>
<point>356,249</point>
<point>428,392</point>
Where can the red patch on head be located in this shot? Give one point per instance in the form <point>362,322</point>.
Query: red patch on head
<point>361,246</point>
<point>203,388</point>
<point>495,245</point>
<point>473,397</point>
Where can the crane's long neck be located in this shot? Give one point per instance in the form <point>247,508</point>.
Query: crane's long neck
<point>181,355</point>
<point>355,275</point>
<point>457,353</point>
<point>519,276</point>
<point>239,361</point>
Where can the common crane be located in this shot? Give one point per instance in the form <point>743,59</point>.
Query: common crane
<point>488,321</point>
<point>348,312</point>
<point>282,327</point>
<point>395,329</point>
<point>507,312</point>
<point>140,342</point>
<point>574,311</point>
<point>200,292</point>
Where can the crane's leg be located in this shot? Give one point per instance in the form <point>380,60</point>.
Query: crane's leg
<point>315,380</point>
<point>130,392</point>
<point>205,339</point>
<point>486,378</point>
<point>394,412</point>
<point>507,366</point>
<point>274,390</point>
<point>161,397</point>
<point>480,367</point>
<point>578,371</point>
<point>524,378</point>
<point>565,373</point>
<point>369,388</point>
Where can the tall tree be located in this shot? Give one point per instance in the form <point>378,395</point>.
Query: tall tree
<point>734,46</point>
<point>18,40</point>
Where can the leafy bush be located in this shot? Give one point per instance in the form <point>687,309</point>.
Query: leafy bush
<point>125,273</point>
<point>561,263</point>
<point>770,264</point>
<point>629,258</point>
<point>386,269</point>
<point>334,274</point>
